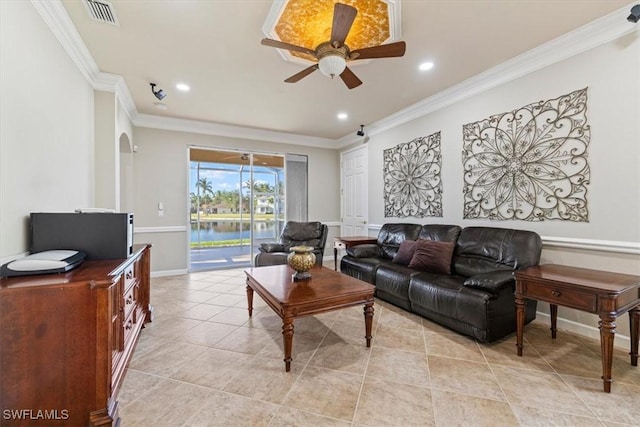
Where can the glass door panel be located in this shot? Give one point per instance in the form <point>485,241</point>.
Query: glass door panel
<point>235,204</point>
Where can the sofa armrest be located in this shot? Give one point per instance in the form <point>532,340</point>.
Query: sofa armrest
<point>271,247</point>
<point>492,281</point>
<point>367,250</point>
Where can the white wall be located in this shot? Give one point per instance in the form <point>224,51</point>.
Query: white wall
<point>46,126</point>
<point>161,175</point>
<point>612,73</point>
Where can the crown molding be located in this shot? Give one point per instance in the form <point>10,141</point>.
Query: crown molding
<point>596,33</point>
<point>219,129</point>
<point>589,36</point>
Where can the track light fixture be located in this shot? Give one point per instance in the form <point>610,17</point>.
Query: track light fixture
<point>160,94</point>
<point>635,14</point>
<point>361,131</point>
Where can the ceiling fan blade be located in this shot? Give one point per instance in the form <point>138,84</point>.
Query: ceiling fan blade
<point>343,16</point>
<point>383,51</point>
<point>350,79</point>
<point>304,73</point>
<point>287,46</point>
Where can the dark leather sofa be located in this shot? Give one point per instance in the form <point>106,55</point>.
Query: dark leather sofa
<point>475,298</point>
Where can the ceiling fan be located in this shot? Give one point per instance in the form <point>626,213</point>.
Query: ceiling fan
<point>333,55</point>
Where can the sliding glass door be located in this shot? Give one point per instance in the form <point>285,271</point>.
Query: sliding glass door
<point>236,202</point>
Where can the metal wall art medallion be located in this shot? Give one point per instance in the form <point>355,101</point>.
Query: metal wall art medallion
<point>412,181</point>
<point>529,164</point>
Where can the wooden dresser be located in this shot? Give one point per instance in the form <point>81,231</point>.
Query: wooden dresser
<point>66,340</point>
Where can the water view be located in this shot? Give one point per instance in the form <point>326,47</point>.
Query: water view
<point>233,230</point>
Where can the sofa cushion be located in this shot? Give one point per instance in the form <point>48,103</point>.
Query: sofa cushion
<point>302,234</point>
<point>391,235</point>
<point>361,268</point>
<point>366,250</point>
<point>484,249</point>
<point>405,252</point>
<point>491,281</point>
<point>440,232</point>
<point>433,256</point>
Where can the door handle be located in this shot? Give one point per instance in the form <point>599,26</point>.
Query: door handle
<point>364,222</point>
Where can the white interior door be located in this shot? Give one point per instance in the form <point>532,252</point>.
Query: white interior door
<point>354,198</point>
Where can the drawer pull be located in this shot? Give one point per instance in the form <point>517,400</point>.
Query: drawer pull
<point>556,293</point>
<point>129,325</point>
<point>129,300</point>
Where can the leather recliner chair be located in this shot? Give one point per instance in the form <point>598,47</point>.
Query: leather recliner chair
<point>312,234</point>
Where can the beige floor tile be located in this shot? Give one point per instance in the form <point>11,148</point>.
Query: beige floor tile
<point>453,409</point>
<point>535,417</point>
<point>465,377</point>
<point>396,317</point>
<point>201,296</point>
<point>224,409</point>
<point>228,300</point>
<point>504,353</point>
<point>304,346</point>
<point>401,366</point>
<point>457,346</point>
<point>335,353</point>
<point>399,339</point>
<point>213,368</point>
<point>167,359</point>
<point>201,311</point>
<point>287,417</point>
<point>136,385</point>
<point>248,340</point>
<point>231,316</point>
<point>387,403</point>
<point>169,307</point>
<point>228,370</point>
<point>325,392</point>
<point>170,326</point>
<point>572,359</point>
<point>621,405</point>
<point>207,333</point>
<point>169,403</point>
<point>264,379</point>
<point>544,390</point>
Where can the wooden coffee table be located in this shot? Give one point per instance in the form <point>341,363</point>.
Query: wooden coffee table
<point>327,290</point>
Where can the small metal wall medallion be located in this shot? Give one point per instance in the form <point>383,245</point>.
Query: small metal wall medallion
<point>529,164</point>
<point>412,180</point>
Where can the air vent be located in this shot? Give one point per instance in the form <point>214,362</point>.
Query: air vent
<point>101,11</point>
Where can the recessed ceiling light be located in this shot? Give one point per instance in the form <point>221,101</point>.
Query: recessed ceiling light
<point>425,66</point>
<point>343,116</point>
<point>183,87</point>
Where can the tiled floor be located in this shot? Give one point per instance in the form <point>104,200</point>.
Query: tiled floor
<point>204,362</point>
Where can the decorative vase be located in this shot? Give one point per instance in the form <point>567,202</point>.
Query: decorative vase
<point>301,259</point>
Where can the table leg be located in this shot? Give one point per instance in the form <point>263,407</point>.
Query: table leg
<point>368,322</point>
<point>554,320</point>
<point>607,334</point>
<point>520,314</point>
<point>634,328</point>
<point>335,258</point>
<point>250,299</point>
<point>287,334</point>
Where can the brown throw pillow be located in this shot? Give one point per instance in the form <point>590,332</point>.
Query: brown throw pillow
<point>405,252</point>
<point>433,256</point>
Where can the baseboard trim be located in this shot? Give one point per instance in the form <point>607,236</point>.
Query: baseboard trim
<point>620,341</point>
<point>166,273</point>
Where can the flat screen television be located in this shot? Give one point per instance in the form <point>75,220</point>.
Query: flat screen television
<point>100,235</point>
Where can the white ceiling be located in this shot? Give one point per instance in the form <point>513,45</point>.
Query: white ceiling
<point>214,46</point>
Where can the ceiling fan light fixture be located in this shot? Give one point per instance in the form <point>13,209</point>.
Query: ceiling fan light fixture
<point>332,65</point>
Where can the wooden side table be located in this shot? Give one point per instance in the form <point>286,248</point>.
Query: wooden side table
<point>609,295</point>
<point>347,242</point>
